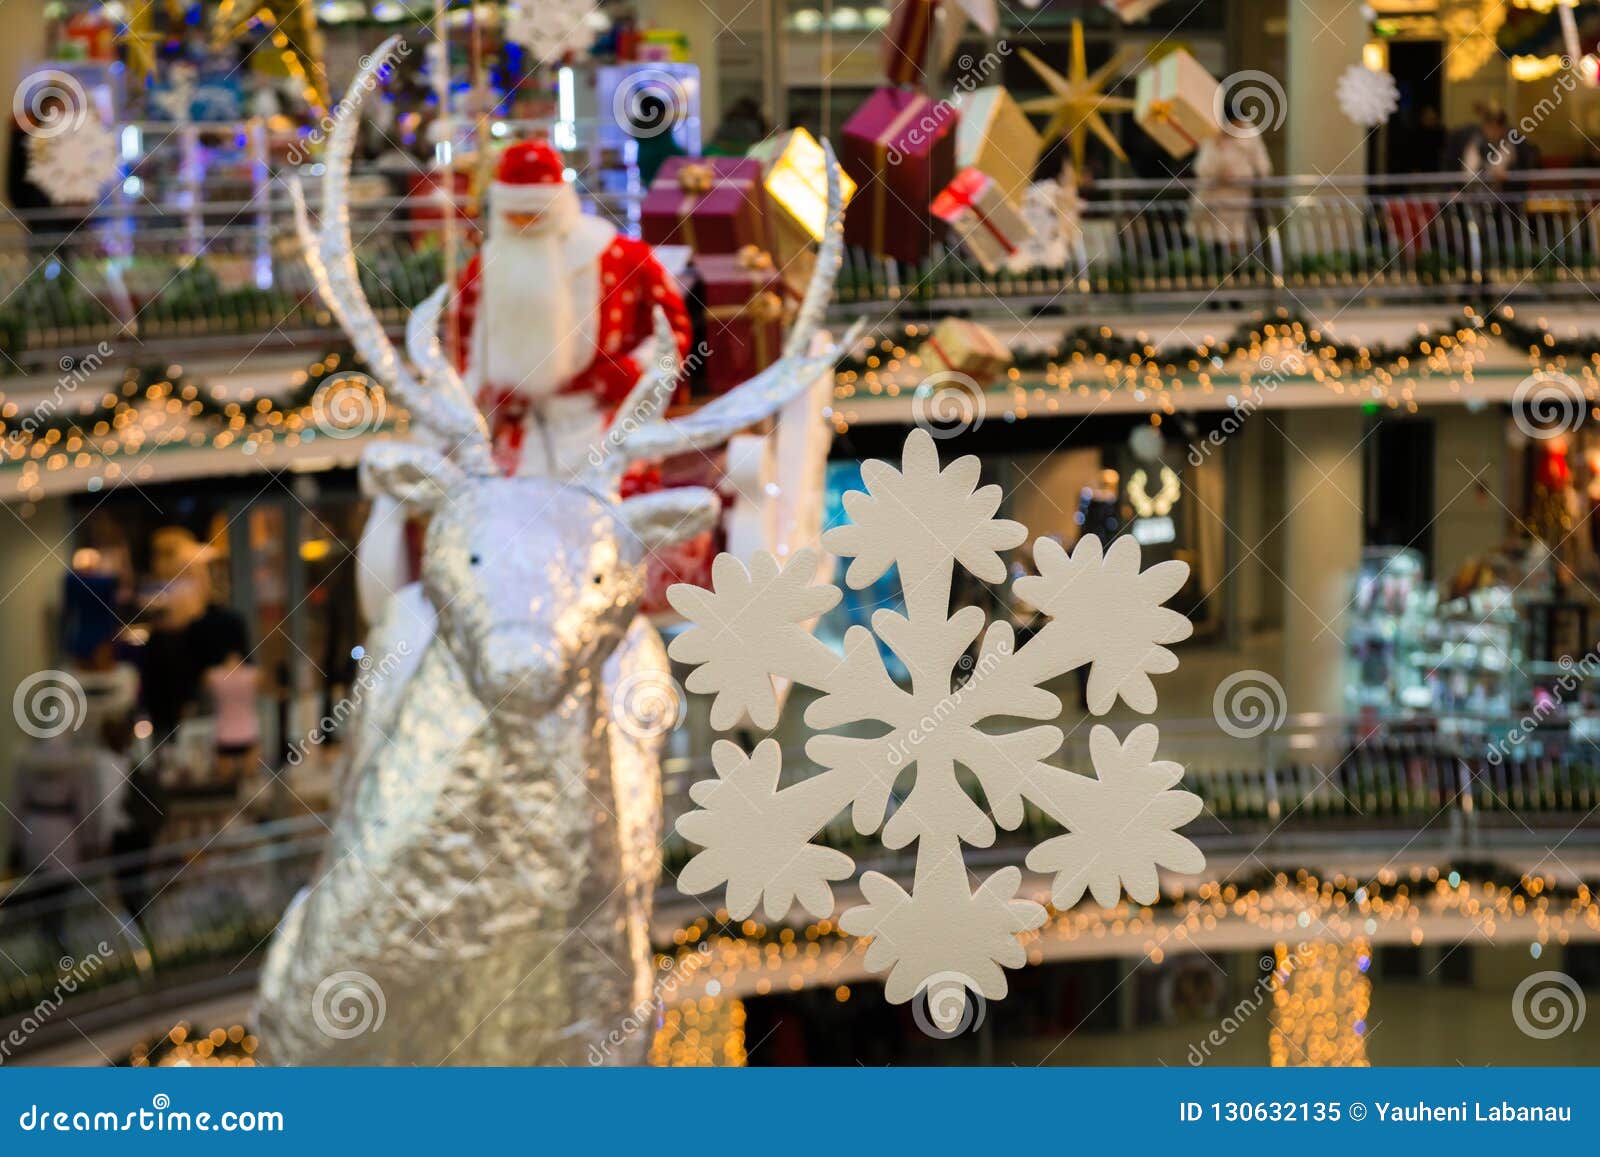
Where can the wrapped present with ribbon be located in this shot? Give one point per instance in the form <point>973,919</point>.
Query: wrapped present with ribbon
<point>1128,11</point>
<point>662,46</point>
<point>906,40</point>
<point>959,346</point>
<point>795,173</point>
<point>996,137</point>
<point>989,226</point>
<point>1176,103</point>
<point>711,204</point>
<point>741,309</point>
<point>899,147</point>
<point>688,561</point>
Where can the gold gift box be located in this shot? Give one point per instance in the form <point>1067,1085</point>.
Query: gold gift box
<point>965,347</point>
<point>795,174</point>
<point>995,137</point>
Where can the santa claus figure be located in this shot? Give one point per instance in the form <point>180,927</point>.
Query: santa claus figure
<point>555,317</point>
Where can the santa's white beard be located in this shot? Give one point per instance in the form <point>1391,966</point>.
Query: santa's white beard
<point>531,325</point>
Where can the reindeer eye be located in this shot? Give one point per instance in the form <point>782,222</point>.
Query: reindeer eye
<point>597,578</point>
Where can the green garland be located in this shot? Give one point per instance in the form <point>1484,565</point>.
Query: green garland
<point>193,392</point>
<point>1094,342</point>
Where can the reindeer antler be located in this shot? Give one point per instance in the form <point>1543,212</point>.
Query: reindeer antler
<point>442,407</point>
<point>641,434</point>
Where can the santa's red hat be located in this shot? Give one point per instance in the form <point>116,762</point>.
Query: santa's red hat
<point>529,179</point>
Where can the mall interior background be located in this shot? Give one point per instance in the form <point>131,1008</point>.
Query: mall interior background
<point>1401,559</point>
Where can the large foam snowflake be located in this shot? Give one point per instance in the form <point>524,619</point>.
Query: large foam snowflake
<point>965,755</point>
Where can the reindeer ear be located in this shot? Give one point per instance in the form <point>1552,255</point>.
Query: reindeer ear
<point>410,473</point>
<point>669,516</point>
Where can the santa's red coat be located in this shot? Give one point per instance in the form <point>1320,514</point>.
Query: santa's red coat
<point>632,284</point>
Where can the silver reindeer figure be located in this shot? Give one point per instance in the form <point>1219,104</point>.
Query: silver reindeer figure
<point>485,894</point>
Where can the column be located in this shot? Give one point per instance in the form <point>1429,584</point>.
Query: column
<point>1325,38</point>
<point>1322,548</point>
<point>34,550</point>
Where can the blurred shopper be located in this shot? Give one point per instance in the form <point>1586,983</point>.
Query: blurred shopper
<point>742,125</point>
<point>1492,153</point>
<point>233,685</point>
<point>138,821</point>
<point>1225,168</point>
<point>66,797</point>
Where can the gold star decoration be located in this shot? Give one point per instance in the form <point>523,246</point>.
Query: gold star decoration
<point>1077,100</point>
<point>141,37</point>
<point>296,37</point>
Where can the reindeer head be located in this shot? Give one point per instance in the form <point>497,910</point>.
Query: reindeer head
<point>533,579</point>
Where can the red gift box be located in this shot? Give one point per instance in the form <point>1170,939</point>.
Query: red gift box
<point>711,204</point>
<point>682,562</point>
<point>741,301</point>
<point>905,45</point>
<point>899,147</point>
<point>976,208</point>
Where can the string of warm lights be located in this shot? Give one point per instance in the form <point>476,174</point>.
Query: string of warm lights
<point>751,958</point>
<point>703,1033</point>
<point>1260,355</point>
<point>160,407</point>
<point>182,1047</point>
<point>1320,1004</point>
<point>164,406</point>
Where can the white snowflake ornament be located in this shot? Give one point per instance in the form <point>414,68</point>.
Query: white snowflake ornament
<point>1054,213</point>
<point>940,762</point>
<point>549,29</point>
<point>1368,96</point>
<point>72,167</point>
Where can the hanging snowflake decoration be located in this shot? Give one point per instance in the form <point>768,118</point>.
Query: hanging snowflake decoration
<point>943,938</point>
<point>549,29</point>
<point>73,167</point>
<point>1368,96</point>
<point>1052,211</point>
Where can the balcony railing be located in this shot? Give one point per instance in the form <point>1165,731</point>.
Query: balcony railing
<point>1310,788</point>
<point>161,282</point>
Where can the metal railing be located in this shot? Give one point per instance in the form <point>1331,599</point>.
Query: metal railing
<point>124,932</point>
<point>143,932</point>
<point>160,282</point>
<point>1316,776</point>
